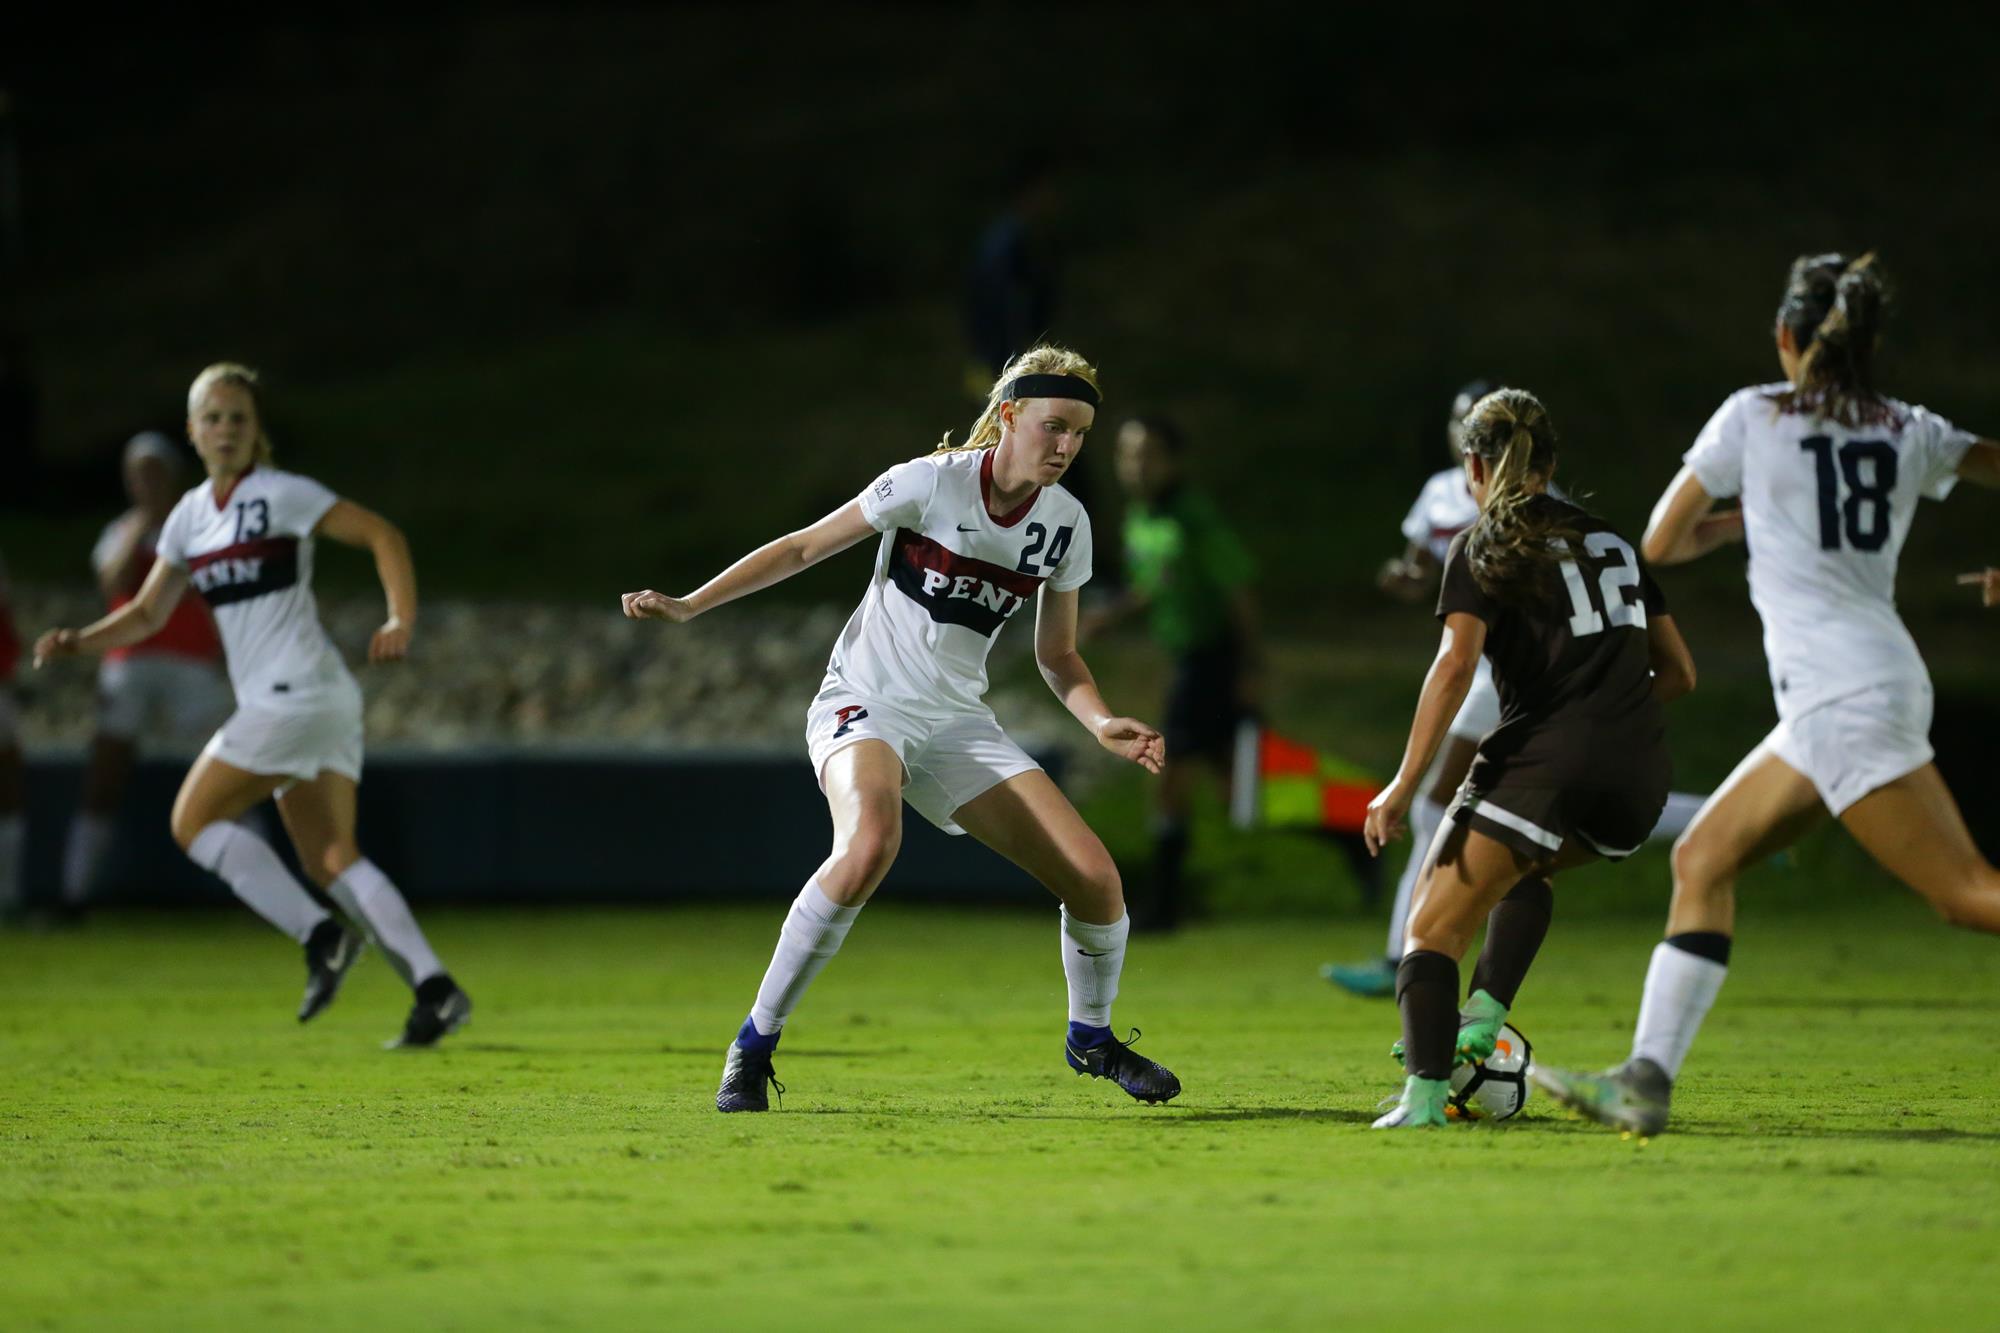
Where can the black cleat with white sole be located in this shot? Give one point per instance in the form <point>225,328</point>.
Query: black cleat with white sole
<point>441,1009</point>
<point>330,950</point>
<point>1107,1057</point>
<point>747,1072</point>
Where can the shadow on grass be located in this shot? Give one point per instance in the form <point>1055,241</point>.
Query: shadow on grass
<point>805,1053</point>
<point>1156,1117</point>
<point>1860,1003</point>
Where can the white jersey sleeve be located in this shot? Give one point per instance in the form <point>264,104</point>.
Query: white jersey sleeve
<point>1417,523</point>
<point>298,504</point>
<point>107,543</point>
<point>1717,455</point>
<point>1073,570</point>
<point>899,497</point>
<point>1936,448</point>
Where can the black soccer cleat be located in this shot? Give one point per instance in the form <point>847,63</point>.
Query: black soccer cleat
<point>745,1074</point>
<point>330,950</point>
<point>1147,1080</point>
<point>441,1009</point>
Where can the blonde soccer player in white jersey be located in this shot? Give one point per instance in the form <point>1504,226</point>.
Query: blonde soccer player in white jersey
<point>970,535</point>
<point>1828,471</point>
<point>244,540</point>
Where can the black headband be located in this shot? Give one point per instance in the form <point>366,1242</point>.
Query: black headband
<point>1051,386</point>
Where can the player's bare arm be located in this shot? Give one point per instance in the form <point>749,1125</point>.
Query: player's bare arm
<point>1673,664</point>
<point>773,562</point>
<point>1069,677</point>
<point>1684,525</point>
<point>351,525</point>
<point>1445,687</point>
<point>137,620</point>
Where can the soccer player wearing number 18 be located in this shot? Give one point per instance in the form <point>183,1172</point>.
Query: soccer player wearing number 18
<point>970,535</point>
<point>1583,654</point>
<point>1829,472</point>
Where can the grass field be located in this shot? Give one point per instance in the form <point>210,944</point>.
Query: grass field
<point>175,1152</point>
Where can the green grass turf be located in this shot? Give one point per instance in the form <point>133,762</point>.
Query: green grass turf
<point>175,1152</point>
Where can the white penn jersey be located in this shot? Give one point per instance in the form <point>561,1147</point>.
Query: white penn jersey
<point>947,576</point>
<point>1826,509</point>
<point>1444,508</point>
<point>249,553</point>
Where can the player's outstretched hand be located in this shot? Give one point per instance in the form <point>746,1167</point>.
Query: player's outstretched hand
<point>391,643</point>
<point>1129,738</point>
<point>1988,584</point>
<point>650,605</point>
<point>56,643</point>
<point>1386,814</point>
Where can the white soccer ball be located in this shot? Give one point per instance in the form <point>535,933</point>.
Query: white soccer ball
<point>1497,1087</point>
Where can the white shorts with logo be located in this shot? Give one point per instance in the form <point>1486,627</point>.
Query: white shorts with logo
<point>946,761</point>
<point>1857,743</point>
<point>1480,712</point>
<point>180,699</point>
<point>307,735</point>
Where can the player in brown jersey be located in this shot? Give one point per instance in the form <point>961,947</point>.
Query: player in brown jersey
<point>1583,653</point>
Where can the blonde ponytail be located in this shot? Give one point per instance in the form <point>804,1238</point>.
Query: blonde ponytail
<point>1514,546</point>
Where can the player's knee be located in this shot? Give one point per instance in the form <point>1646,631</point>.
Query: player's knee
<point>1698,871</point>
<point>1096,891</point>
<point>332,862</point>
<point>863,861</point>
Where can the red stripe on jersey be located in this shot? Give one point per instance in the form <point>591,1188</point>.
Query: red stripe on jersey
<point>222,495</point>
<point>1012,516</point>
<point>263,546</point>
<point>915,549</point>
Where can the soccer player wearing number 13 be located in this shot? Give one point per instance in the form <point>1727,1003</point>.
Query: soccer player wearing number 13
<point>1829,472</point>
<point>1583,654</point>
<point>244,540</point>
<point>969,536</point>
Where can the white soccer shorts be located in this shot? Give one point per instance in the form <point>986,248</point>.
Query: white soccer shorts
<point>946,761</point>
<point>1480,712</point>
<point>179,699</point>
<point>307,735</point>
<point>1859,742</point>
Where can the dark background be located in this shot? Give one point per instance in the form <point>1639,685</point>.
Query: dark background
<point>589,300</point>
<point>599,299</point>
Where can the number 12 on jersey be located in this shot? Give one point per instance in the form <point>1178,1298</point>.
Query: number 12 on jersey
<point>1614,581</point>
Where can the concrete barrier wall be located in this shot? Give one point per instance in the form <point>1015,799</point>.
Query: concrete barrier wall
<point>519,827</point>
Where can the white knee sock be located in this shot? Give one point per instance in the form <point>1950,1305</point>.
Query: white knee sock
<point>1680,989</point>
<point>1682,806</point>
<point>1093,957</point>
<point>812,934</point>
<point>253,872</point>
<point>367,896</point>
<point>1425,816</point>
<point>83,855</point>
<point>13,838</point>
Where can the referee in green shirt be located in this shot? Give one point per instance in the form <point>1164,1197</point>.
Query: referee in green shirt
<point>1190,575</point>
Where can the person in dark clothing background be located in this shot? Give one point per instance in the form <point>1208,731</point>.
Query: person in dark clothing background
<point>1190,574</point>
